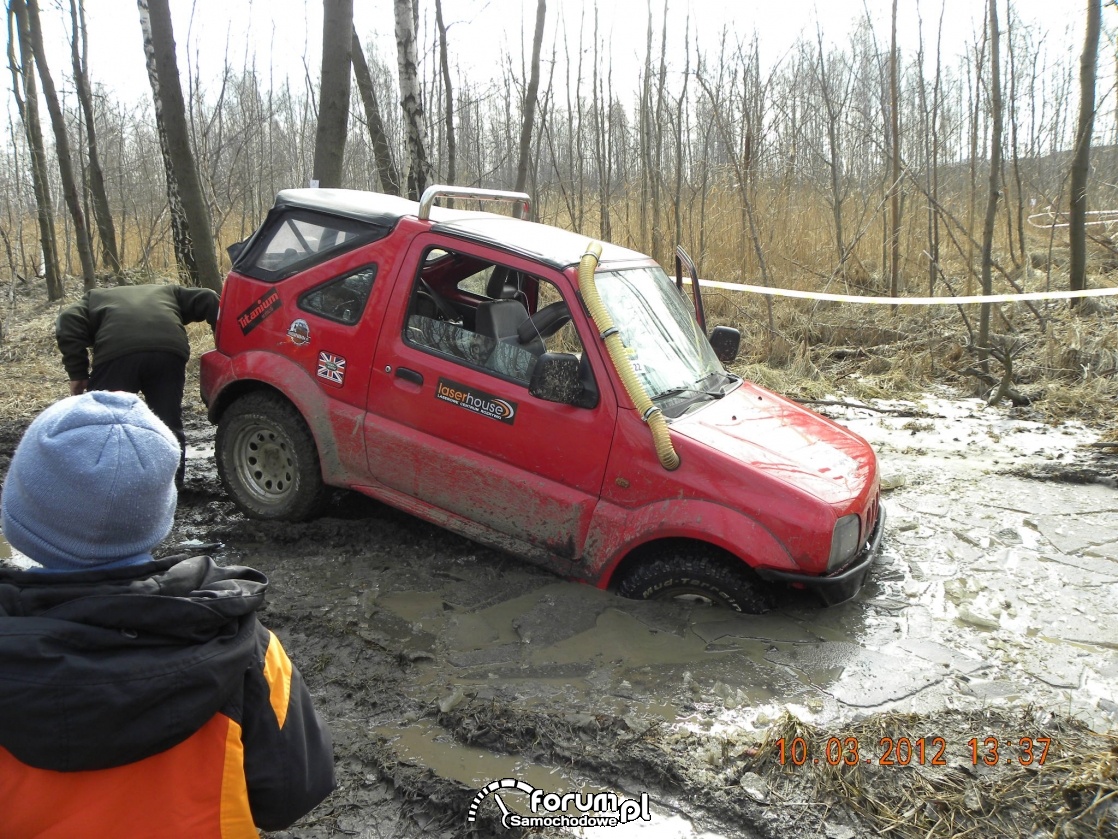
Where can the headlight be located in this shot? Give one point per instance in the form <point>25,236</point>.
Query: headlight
<point>844,542</point>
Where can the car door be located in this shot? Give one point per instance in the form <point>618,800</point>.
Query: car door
<point>458,431</point>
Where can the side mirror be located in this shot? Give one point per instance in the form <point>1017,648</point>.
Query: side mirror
<point>555,378</point>
<point>725,341</point>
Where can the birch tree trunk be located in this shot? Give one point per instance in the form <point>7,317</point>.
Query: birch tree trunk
<point>333,93</point>
<point>386,167</point>
<point>411,98</point>
<point>190,216</point>
<point>62,148</point>
<point>79,49</point>
<point>27,101</point>
<point>1077,230</point>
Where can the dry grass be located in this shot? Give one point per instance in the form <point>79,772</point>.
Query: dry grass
<point>1066,365</point>
<point>30,364</point>
<point>1074,793</point>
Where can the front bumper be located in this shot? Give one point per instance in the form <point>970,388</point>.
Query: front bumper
<point>842,585</point>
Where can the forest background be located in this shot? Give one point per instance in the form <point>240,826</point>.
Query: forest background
<point>923,147</point>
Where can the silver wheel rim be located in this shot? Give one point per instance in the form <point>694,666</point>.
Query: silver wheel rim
<point>692,595</point>
<point>264,461</point>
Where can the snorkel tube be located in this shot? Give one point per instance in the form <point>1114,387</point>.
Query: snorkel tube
<point>651,414</point>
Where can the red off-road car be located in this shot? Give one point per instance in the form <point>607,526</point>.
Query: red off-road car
<point>529,389</point>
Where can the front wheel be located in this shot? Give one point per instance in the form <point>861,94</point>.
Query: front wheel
<point>698,576</point>
<point>267,459</point>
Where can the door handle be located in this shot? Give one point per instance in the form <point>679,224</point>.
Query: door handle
<point>409,375</point>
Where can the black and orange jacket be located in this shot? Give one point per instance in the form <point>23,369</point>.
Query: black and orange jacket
<point>151,704</point>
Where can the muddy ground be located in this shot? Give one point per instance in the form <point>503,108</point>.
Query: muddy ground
<point>443,666</point>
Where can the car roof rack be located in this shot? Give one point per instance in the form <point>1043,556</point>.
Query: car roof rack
<point>437,190</point>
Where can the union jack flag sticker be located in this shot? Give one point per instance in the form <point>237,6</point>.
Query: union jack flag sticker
<point>331,368</point>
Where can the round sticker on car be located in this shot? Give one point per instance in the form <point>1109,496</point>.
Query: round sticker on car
<point>299,332</point>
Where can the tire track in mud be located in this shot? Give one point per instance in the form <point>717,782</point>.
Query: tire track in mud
<point>364,680</point>
<point>377,674</point>
<point>359,686</point>
<point>359,681</point>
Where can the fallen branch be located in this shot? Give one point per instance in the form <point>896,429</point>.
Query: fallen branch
<point>897,412</point>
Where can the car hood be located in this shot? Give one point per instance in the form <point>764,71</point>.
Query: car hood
<point>785,441</point>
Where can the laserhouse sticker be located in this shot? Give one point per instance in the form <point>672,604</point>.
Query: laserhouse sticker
<point>554,809</point>
<point>476,400</point>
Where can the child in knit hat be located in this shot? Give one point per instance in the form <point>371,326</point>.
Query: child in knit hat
<point>88,484</point>
<point>138,696</point>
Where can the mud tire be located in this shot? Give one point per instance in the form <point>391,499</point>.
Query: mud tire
<point>700,574</point>
<point>267,459</point>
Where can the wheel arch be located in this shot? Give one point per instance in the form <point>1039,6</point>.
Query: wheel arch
<point>623,537</point>
<point>673,544</point>
<point>238,389</point>
<point>335,426</point>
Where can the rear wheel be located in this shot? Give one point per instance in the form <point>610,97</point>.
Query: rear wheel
<point>267,459</point>
<point>697,575</point>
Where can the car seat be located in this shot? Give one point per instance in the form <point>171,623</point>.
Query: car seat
<point>501,320</point>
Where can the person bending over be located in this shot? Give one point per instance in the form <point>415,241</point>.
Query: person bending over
<point>138,336</point>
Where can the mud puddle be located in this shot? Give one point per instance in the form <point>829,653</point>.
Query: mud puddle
<point>443,666</point>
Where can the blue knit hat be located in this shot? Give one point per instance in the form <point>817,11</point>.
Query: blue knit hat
<point>91,484</point>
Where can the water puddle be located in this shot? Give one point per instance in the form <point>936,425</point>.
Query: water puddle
<point>10,555</point>
<point>992,589</point>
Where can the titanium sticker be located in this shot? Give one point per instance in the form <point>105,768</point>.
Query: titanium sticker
<point>477,401</point>
<point>331,368</point>
<point>299,332</point>
<point>258,311</point>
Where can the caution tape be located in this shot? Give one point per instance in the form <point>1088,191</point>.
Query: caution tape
<point>911,301</point>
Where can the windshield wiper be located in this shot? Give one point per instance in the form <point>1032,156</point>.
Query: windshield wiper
<point>679,391</point>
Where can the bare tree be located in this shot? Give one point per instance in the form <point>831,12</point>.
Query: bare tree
<point>652,134</point>
<point>603,135</point>
<point>387,172</point>
<point>194,242</point>
<point>933,163</point>
<point>895,150</point>
<point>995,173</point>
<point>835,93</point>
<point>333,92</point>
<point>411,97</point>
<point>27,101</point>
<point>102,213</point>
<point>1019,256</point>
<point>529,108</point>
<point>1080,163</point>
<point>62,147</point>
<point>448,94</point>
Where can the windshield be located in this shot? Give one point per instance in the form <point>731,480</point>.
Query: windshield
<point>670,354</point>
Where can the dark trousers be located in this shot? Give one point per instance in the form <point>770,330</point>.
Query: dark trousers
<point>160,377</point>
